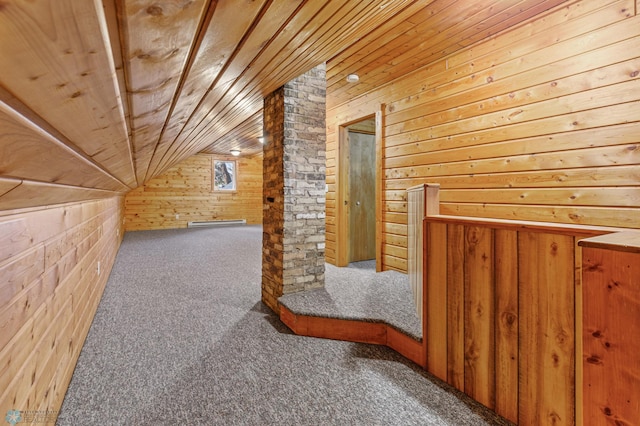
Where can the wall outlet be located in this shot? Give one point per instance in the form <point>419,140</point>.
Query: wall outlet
<point>177,216</point>
<point>98,268</point>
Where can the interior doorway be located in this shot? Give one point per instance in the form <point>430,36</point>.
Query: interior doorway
<point>358,192</point>
<point>361,141</point>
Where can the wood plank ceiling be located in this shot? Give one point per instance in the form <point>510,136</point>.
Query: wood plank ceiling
<point>97,97</point>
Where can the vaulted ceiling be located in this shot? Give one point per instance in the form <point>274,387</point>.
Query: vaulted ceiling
<point>97,97</point>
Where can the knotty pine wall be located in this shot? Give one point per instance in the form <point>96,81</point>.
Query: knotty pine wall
<point>49,291</point>
<point>541,122</point>
<point>503,315</point>
<point>185,190</point>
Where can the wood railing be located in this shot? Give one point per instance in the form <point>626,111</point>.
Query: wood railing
<point>504,318</point>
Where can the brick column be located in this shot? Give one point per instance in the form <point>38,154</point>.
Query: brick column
<point>294,187</point>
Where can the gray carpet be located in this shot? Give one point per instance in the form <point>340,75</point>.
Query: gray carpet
<point>181,337</point>
<point>357,292</point>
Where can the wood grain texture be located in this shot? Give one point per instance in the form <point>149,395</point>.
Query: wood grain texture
<point>32,194</point>
<point>579,328</point>
<point>361,196</point>
<point>547,335</point>
<point>511,309</point>
<point>379,126</point>
<point>479,313</point>
<point>219,42</point>
<point>186,191</point>
<point>406,346</point>
<point>60,51</point>
<point>416,247</point>
<point>611,296</point>
<point>628,241</point>
<point>257,55</point>
<point>136,86</point>
<point>157,40</point>
<point>456,306</point>
<point>29,152</point>
<point>512,127</point>
<point>49,294</point>
<point>377,333</point>
<point>480,94</point>
<point>506,324</point>
<point>436,296</point>
<point>437,31</point>
<point>244,137</point>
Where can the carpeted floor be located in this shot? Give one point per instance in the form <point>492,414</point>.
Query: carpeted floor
<point>181,337</point>
<point>357,292</point>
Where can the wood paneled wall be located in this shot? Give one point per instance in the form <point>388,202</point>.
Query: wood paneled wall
<point>611,357</point>
<point>185,191</point>
<point>503,316</point>
<point>50,287</point>
<point>98,97</point>
<point>539,122</point>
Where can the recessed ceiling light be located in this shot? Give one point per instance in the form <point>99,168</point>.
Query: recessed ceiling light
<point>261,140</point>
<point>353,78</point>
<point>235,152</point>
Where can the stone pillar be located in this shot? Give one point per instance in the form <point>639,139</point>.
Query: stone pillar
<point>293,240</point>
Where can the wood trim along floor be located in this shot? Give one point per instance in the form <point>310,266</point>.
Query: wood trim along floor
<point>378,333</point>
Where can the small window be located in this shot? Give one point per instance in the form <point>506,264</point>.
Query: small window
<point>224,175</point>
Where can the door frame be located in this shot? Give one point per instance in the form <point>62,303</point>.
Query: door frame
<point>342,185</point>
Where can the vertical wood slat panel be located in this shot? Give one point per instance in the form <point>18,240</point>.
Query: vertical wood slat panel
<point>578,321</point>
<point>436,313</point>
<point>546,335</point>
<point>510,317</point>
<point>610,336</point>
<point>379,173</point>
<point>479,377</point>
<point>415,244</point>
<point>506,323</point>
<point>455,305</point>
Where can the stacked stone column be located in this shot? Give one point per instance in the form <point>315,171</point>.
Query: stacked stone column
<point>293,240</point>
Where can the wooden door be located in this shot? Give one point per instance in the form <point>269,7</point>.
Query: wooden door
<point>361,199</point>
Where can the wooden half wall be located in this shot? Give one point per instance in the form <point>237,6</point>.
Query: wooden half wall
<point>534,320</point>
<point>184,194</point>
<point>538,122</point>
<point>54,264</point>
<point>611,319</point>
<point>502,320</point>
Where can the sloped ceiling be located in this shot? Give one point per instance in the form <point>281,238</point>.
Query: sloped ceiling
<point>97,97</point>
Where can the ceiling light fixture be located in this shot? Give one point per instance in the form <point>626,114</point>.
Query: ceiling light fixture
<point>261,140</point>
<point>353,78</point>
<point>235,152</point>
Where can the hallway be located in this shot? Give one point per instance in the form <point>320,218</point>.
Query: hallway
<point>209,352</point>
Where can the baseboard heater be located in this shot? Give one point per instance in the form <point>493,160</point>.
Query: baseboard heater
<point>211,223</point>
